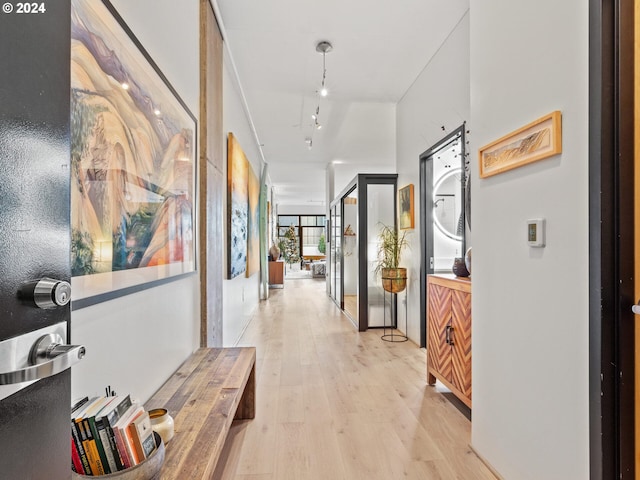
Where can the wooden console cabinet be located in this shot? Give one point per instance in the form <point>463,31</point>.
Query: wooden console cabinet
<point>449,334</point>
<point>276,274</point>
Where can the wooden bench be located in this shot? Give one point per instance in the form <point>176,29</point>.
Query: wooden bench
<point>211,388</point>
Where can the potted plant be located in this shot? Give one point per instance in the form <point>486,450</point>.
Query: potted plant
<point>392,243</point>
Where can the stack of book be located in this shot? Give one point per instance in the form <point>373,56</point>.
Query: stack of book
<point>109,434</point>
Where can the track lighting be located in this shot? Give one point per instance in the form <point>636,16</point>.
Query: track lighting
<point>323,48</point>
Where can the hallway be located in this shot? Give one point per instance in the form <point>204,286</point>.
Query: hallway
<point>332,403</point>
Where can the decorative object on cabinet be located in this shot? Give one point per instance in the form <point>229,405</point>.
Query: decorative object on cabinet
<point>459,267</point>
<point>405,207</point>
<point>449,334</point>
<point>274,251</point>
<point>540,139</point>
<point>133,164</point>
<point>467,260</point>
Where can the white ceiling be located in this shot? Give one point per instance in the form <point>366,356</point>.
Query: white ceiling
<point>379,49</point>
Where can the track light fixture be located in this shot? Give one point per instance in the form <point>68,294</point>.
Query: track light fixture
<point>322,47</point>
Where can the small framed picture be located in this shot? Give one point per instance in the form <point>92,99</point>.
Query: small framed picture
<point>405,207</point>
<point>540,139</point>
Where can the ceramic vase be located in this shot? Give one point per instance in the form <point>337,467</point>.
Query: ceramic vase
<point>467,260</point>
<point>162,423</point>
<point>274,251</point>
<point>459,267</point>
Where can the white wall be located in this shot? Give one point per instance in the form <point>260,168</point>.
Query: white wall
<point>439,97</point>
<point>530,308</point>
<point>241,294</point>
<point>316,209</point>
<point>123,336</point>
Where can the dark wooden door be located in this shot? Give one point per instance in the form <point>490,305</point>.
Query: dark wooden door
<point>34,224</point>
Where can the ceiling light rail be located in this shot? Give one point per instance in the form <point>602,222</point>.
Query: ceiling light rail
<point>322,47</point>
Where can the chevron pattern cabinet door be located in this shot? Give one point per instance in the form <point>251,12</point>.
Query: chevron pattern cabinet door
<point>461,335</point>
<point>439,316</point>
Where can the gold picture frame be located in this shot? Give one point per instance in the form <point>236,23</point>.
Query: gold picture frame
<point>540,139</point>
<point>405,207</point>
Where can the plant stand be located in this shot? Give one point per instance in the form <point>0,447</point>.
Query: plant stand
<point>393,337</point>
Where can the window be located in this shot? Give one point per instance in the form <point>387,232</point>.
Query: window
<point>309,231</point>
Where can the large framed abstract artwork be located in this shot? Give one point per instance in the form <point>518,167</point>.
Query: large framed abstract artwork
<point>133,149</point>
<point>253,245</point>
<point>243,200</point>
<point>238,207</point>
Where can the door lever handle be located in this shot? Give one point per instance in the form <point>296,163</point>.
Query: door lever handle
<point>448,339</point>
<point>49,356</point>
<point>636,308</point>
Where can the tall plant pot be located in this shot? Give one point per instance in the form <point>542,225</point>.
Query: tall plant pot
<point>394,280</point>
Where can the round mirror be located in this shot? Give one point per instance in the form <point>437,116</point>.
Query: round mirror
<point>447,206</point>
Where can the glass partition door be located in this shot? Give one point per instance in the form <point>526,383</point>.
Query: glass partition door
<point>332,254</point>
<point>380,210</point>
<point>335,253</point>
<point>350,253</point>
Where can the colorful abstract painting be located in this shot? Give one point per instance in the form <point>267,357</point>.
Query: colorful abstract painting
<point>133,160</point>
<point>253,248</point>
<point>238,205</point>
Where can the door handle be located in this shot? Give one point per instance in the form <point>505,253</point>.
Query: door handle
<point>49,356</point>
<point>448,338</point>
<point>636,308</point>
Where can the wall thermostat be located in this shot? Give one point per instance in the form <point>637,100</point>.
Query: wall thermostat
<point>536,232</point>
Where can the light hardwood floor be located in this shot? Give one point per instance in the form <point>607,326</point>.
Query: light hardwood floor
<point>332,403</point>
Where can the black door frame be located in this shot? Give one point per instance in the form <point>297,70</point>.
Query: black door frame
<point>611,242</point>
<point>426,215</point>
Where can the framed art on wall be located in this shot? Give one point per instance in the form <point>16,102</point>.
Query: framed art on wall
<point>405,206</point>
<point>238,207</point>
<point>133,144</point>
<point>540,139</point>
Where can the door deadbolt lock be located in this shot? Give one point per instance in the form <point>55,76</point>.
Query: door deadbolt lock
<point>46,293</point>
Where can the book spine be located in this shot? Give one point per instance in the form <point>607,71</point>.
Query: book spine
<point>78,439</point>
<point>76,463</point>
<point>106,446</point>
<point>122,448</point>
<point>130,445</point>
<point>98,441</point>
<point>92,451</point>
<point>135,441</point>
<point>113,446</point>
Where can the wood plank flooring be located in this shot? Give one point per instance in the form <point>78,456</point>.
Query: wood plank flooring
<point>332,403</point>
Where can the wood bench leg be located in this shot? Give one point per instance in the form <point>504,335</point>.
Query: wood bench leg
<point>247,407</point>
